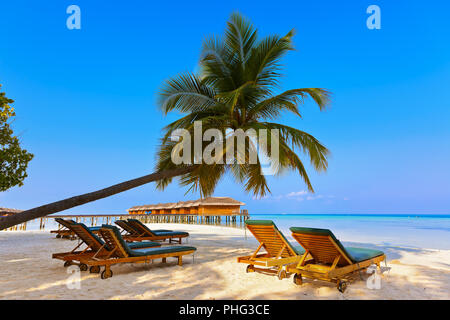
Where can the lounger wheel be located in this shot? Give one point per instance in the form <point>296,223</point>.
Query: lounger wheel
<point>67,264</point>
<point>250,268</point>
<point>83,267</point>
<point>58,236</point>
<point>106,274</point>
<point>94,269</point>
<point>341,286</point>
<point>281,274</point>
<point>298,279</point>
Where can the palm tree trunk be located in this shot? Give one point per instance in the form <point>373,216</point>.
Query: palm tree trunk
<point>68,203</point>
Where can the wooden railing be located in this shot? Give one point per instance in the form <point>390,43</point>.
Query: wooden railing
<point>236,220</point>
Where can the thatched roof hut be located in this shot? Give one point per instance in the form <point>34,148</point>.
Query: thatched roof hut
<point>206,206</point>
<point>8,211</point>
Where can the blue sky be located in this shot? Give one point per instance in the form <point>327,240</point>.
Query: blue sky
<point>85,99</point>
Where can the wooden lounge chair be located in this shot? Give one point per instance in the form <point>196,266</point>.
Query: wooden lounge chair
<point>129,231</point>
<point>93,246</point>
<point>279,252</point>
<point>121,252</point>
<point>145,233</point>
<point>331,260</point>
<point>64,230</point>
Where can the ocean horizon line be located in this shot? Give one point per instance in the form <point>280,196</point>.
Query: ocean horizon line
<point>392,215</point>
<point>400,215</point>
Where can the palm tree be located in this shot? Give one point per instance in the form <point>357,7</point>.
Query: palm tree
<point>236,88</point>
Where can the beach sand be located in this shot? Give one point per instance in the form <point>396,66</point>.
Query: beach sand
<point>27,271</point>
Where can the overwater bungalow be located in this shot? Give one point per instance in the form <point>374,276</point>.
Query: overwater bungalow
<point>8,211</point>
<point>217,206</point>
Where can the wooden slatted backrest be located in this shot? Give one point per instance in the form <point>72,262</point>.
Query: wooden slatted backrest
<point>140,227</point>
<point>126,226</point>
<point>65,223</point>
<point>321,245</point>
<point>86,236</point>
<point>114,241</point>
<point>273,240</point>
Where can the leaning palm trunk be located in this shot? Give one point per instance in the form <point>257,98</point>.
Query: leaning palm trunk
<point>236,89</point>
<point>68,203</point>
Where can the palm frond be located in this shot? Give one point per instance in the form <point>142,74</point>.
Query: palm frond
<point>240,37</point>
<point>305,142</point>
<point>289,100</point>
<point>186,93</point>
<point>215,64</point>
<point>264,65</point>
<point>237,89</point>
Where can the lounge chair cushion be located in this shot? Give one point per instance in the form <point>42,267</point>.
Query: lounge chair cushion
<point>161,232</point>
<point>314,231</point>
<point>160,250</point>
<point>148,251</point>
<point>89,230</point>
<point>361,254</point>
<point>140,244</point>
<point>136,245</point>
<point>260,222</point>
<point>116,232</point>
<point>124,225</point>
<point>171,233</point>
<point>298,249</point>
<point>144,244</point>
<point>354,254</point>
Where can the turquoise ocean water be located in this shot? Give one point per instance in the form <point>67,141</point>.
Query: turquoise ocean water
<point>423,231</point>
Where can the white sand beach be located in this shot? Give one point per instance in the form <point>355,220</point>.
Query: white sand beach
<point>27,271</point>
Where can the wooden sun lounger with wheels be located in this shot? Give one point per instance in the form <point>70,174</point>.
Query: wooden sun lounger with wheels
<point>64,230</point>
<point>93,246</point>
<point>145,233</point>
<point>331,260</point>
<point>120,252</point>
<point>279,252</point>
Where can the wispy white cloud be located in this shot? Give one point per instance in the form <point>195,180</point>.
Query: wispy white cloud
<point>297,193</point>
<point>301,195</point>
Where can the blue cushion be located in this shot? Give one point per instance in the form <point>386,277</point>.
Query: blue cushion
<point>298,249</point>
<point>89,230</point>
<point>361,254</point>
<point>354,254</point>
<point>171,233</point>
<point>116,231</point>
<point>145,251</point>
<point>143,244</point>
<point>161,250</point>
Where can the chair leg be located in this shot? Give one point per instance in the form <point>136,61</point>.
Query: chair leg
<point>164,260</point>
<point>180,260</point>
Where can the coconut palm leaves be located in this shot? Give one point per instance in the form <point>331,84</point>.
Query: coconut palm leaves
<point>238,88</point>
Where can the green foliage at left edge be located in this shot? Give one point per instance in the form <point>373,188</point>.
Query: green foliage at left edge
<point>13,159</point>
